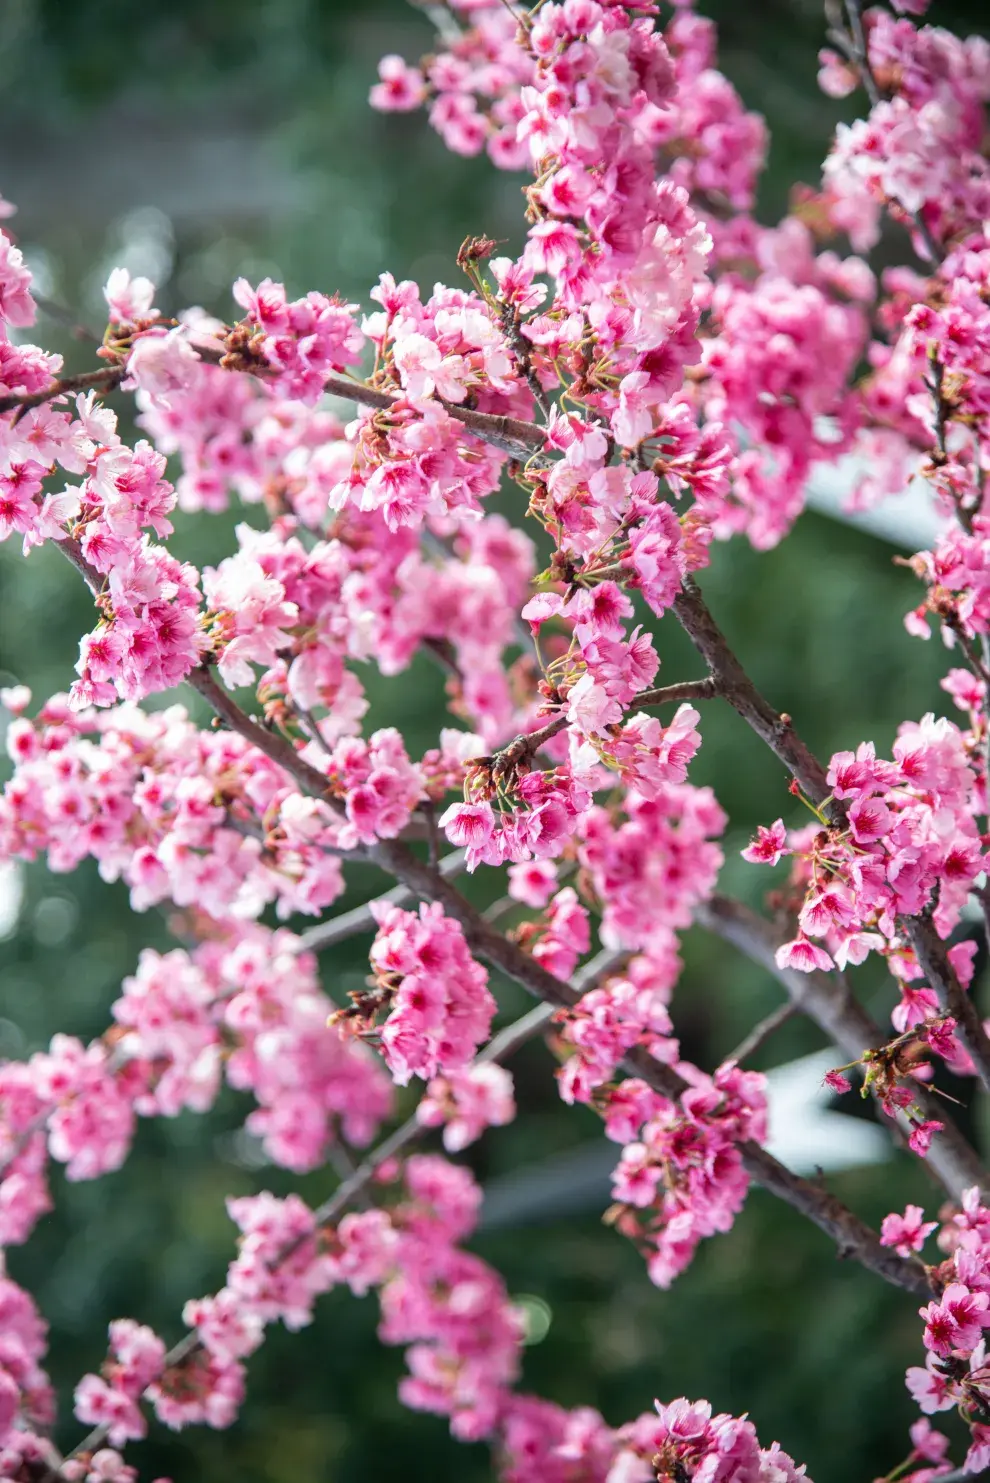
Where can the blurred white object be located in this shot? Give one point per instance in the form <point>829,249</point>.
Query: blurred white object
<point>11,897</point>
<point>909,520</point>
<point>805,1133</point>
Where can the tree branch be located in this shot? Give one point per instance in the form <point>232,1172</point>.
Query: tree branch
<point>106,379</point>
<point>853,1237</point>
<point>353,1187</point>
<point>687,690</point>
<point>509,435</point>
<point>528,743</point>
<point>853,45</point>
<point>934,963</point>
<point>851,1234</point>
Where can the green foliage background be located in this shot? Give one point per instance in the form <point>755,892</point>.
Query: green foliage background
<point>232,136</point>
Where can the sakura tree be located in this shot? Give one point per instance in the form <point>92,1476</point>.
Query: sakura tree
<point>654,372</point>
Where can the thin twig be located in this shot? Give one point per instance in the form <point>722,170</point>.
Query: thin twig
<point>930,951</point>
<point>762,1032</point>
<point>66,318</point>
<point>526,745</point>
<point>853,45</point>
<point>362,918</point>
<point>344,1167</point>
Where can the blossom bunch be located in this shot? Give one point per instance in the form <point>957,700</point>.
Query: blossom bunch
<point>955,1374</point>
<point>439,1005</point>
<point>682,1178</point>
<point>907,842</point>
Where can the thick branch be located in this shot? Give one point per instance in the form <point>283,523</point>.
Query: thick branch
<point>853,1236</point>
<point>106,378</point>
<point>827,999</point>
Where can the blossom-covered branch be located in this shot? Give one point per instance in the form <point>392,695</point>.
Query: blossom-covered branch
<point>654,371</point>
<point>828,1000</point>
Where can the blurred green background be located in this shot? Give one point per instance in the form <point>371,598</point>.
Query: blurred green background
<point>194,140</point>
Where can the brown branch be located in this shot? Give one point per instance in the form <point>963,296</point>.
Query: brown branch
<point>852,44</point>
<point>510,435</point>
<point>106,378</point>
<point>274,745</point>
<point>929,949</point>
<point>361,918</point>
<point>851,1234</point>
<point>973,657</point>
<point>498,1049</point>
<point>687,690</point>
<point>853,1237</point>
<point>521,348</point>
<point>526,745</point>
<point>735,686</point>
<point>827,999</point>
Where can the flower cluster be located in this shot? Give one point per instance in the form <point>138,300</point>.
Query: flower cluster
<point>682,1178</point>
<point>298,343</point>
<point>436,995</point>
<point>919,151</point>
<point>956,1374</point>
<point>907,843</point>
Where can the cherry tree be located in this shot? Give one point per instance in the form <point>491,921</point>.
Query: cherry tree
<point>654,372</point>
